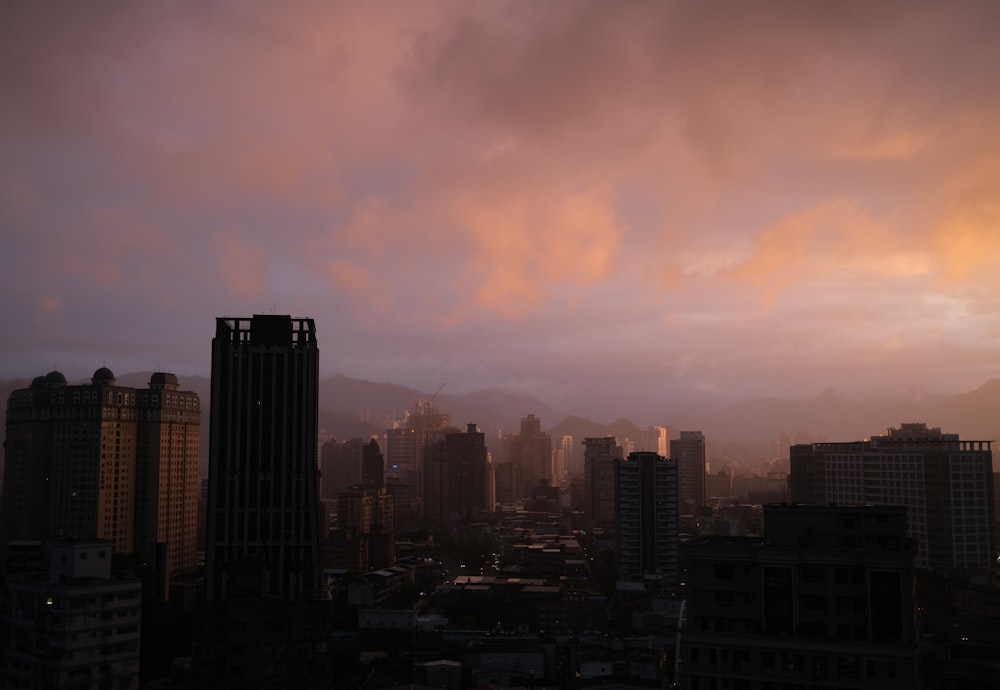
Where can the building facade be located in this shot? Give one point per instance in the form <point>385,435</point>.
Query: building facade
<point>823,600</point>
<point>263,513</point>
<point>688,452</point>
<point>458,479</point>
<point>945,483</point>
<point>646,488</point>
<point>75,625</point>
<point>600,455</point>
<point>104,461</point>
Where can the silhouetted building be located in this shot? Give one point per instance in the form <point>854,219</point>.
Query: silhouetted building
<point>372,466</point>
<point>530,452</point>
<point>824,601</point>
<point>75,625</point>
<point>264,621</point>
<point>719,486</point>
<point>945,483</point>
<point>262,504</point>
<point>646,487</point>
<point>459,479</point>
<point>105,461</point>
<point>340,466</point>
<point>404,455</point>
<point>688,452</point>
<point>365,519</point>
<point>599,457</point>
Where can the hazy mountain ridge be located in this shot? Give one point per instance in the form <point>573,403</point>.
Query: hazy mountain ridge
<point>757,423</point>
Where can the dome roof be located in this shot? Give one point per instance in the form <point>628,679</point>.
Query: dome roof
<point>103,375</point>
<point>38,381</point>
<point>55,378</point>
<point>163,379</point>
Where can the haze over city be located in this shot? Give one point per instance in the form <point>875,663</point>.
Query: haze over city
<point>581,201</point>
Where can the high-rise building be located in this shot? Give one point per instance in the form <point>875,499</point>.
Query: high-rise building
<point>530,451</point>
<point>945,483</point>
<point>688,452</point>
<point>75,625</point>
<point>561,466</point>
<point>263,516</point>
<point>365,524</point>
<point>825,599</point>
<point>340,466</point>
<point>646,488</point>
<point>372,466</point>
<point>405,448</point>
<point>459,479</point>
<point>599,457</point>
<point>104,461</point>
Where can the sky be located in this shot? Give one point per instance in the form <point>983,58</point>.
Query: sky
<point>596,203</point>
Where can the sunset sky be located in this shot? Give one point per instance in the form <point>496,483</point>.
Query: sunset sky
<point>598,203</point>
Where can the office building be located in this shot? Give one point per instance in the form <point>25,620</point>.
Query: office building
<point>263,513</point>
<point>404,455</point>
<point>75,625</point>
<point>688,452</point>
<point>945,483</point>
<point>823,600</point>
<point>365,528</point>
<point>646,488</point>
<point>104,461</point>
<point>530,453</point>
<point>459,479</point>
<point>340,466</point>
<point>600,456</point>
<point>372,466</point>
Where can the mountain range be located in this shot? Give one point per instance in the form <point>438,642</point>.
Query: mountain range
<point>351,408</point>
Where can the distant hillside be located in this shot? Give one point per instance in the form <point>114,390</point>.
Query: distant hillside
<point>352,408</point>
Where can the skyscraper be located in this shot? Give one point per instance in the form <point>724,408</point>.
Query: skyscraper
<point>530,452</point>
<point>688,452</point>
<point>646,488</point>
<point>263,513</point>
<point>599,457</point>
<point>459,481</point>
<point>945,483</point>
<point>104,461</point>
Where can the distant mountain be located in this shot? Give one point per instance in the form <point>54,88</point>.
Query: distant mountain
<point>353,408</point>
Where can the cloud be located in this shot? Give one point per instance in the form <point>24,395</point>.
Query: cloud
<point>600,187</point>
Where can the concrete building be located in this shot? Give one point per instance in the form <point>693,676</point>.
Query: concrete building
<point>366,520</point>
<point>945,483</point>
<point>688,452</point>
<point>458,479</point>
<point>263,500</point>
<point>823,600</point>
<point>265,614</point>
<point>600,455</point>
<point>646,487</point>
<point>74,626</point>
<point>405,446</point>
<point>105,461</point>
<point>530,452</point>
<point>340,466</point>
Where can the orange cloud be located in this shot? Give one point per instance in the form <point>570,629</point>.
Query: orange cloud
<point>520,248</point>
<point>833,238</point>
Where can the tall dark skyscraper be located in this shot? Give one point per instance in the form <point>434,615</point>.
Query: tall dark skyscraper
<point>646,487</point>
<point>263,517</point>
<point>458,477</point>
<point>599,457</point>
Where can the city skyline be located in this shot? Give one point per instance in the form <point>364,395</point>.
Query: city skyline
<point>575,201</point>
